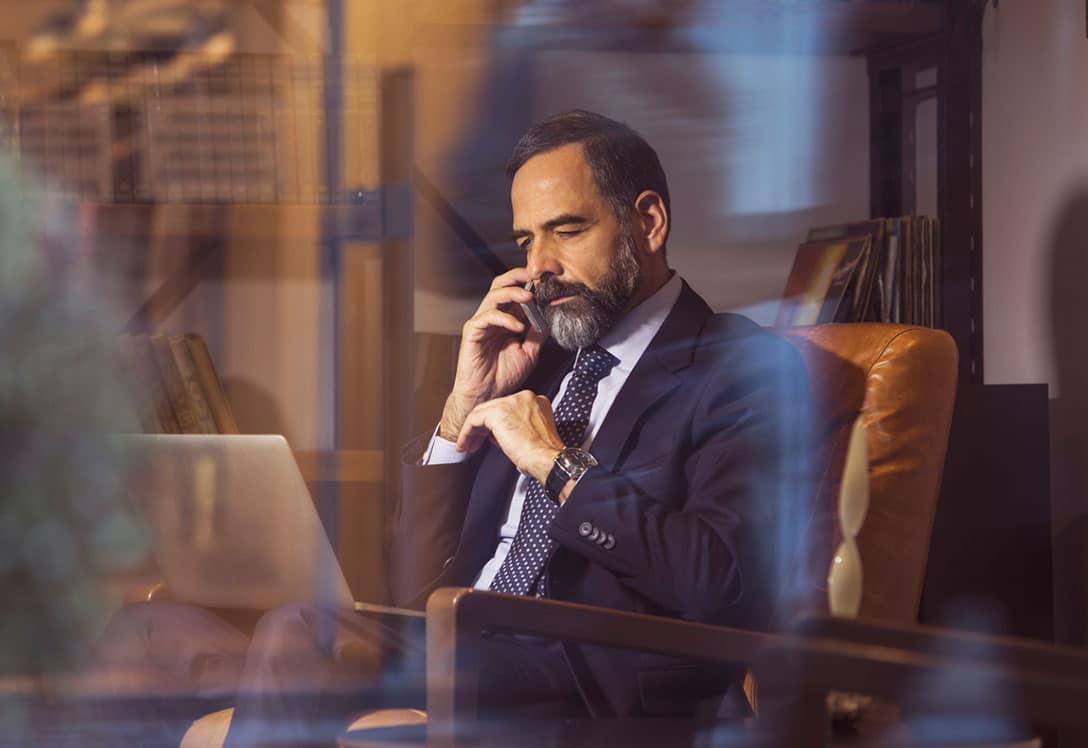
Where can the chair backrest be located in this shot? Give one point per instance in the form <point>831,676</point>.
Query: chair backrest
<point>901,379</point>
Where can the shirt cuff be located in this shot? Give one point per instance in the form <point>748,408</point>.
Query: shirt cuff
<point>442,452</point>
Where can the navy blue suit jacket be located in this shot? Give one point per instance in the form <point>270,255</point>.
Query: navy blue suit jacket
<point>704,484</point>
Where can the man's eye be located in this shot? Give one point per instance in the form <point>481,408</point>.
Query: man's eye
<point>569,232</point>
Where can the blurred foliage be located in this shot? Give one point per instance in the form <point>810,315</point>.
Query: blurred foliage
<point>62,401</point>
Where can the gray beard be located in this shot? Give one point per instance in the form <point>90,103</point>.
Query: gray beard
<point>582,321</point>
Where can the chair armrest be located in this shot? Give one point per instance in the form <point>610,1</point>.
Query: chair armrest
<point>919,667</point>
<point>1025,654</point>
<point>924,669</point>
<point>457,617</point>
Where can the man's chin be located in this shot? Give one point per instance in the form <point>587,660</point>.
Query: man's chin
<point>573,325</point>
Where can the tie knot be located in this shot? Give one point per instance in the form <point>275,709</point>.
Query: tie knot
<point>594,363</point>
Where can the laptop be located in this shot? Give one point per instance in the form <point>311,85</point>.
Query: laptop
<point>231,522</point>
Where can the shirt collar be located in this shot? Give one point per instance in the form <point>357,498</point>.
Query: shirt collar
<point>631,336</point>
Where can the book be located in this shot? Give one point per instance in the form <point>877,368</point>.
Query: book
<point>174,385</point>
<point>892,277</point>
<point>211,386</point>
<point>935,240</point>
<point>161,418</point>
<point>204,422</point>
<point>821,274</point>
<point>861,294</point>
<point>898,279</point>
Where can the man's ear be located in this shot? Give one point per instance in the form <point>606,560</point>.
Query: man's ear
<point>653,219</point>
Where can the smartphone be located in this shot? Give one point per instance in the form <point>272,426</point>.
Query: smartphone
<point>534,313</point>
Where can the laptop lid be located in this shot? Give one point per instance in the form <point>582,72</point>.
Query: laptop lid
<point>231,521</point>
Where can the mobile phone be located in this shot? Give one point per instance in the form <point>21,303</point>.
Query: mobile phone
<point>533,312</point>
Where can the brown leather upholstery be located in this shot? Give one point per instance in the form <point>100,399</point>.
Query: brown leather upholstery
<point>902,380</point>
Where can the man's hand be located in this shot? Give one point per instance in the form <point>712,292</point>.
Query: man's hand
<point>523,427</point>
<point>494,358</point>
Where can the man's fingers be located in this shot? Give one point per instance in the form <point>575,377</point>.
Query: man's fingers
<point>502,298</point>
<point>533,341</point>
<point>474,430</point>
<point>473,441</point>
<point>512,277</point>
<point>494,318</point>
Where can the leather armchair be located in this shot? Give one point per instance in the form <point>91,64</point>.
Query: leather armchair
<point>901,381</point>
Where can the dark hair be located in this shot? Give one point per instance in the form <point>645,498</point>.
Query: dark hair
<point>622,162</point>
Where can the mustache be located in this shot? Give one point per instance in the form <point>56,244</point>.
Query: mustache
<point>549,289</point>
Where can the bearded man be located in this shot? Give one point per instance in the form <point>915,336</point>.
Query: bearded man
<point>645,454</point>
<point>641,453</point>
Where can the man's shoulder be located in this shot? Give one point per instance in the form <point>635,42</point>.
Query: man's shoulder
<point>735,341</point>
<point>725,329</point>
<point>727,325</point>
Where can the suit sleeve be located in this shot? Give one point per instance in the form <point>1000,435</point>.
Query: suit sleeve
<point>718,547</point>
<point>427,528</point>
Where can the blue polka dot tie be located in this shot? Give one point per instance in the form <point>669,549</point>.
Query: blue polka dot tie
<point>532,547</point>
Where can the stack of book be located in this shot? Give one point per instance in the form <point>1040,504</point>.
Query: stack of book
<point>883,270</point>
<point>178,390</point>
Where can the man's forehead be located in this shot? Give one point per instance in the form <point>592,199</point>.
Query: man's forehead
<point>559,179</point>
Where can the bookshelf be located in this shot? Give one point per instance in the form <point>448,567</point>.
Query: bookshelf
<point>945,68</point>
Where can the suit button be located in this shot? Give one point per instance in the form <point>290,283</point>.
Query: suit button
<point>585,529</point>
<point>601,538</point>
<point>594,535</point>
<point>610,543</point>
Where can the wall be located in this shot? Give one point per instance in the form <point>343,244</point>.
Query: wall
<point>1035,227</point>
<point>1034,154</point>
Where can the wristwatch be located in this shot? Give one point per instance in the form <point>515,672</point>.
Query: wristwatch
<point>570,463</point>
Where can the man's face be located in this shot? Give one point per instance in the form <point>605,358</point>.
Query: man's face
<point>585,260</point>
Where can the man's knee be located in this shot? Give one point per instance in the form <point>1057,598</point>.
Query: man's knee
<point>135,624</point>
<point>152,640</point>
<point>286,623</point>
<point>295,635</point>
<point>301,633</point>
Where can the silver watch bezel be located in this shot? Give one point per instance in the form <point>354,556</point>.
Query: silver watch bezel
<point>575,461</point>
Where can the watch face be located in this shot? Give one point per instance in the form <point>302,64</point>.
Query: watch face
<point>570,463</point>
<point>575,461</point>
<point>566,462</point>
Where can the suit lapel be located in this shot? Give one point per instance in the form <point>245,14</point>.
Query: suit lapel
<point>655,375</point>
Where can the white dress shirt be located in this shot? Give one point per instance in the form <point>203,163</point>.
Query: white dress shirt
<point>627,341</point>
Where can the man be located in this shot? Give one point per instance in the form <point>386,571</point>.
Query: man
<point>643,454</point>
<point>683,492</point>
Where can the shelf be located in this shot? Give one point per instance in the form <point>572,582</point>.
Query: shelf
<point>363,221</point>
<point>342,466</point>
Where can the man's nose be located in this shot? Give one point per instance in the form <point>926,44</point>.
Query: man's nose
<point>543,261</point>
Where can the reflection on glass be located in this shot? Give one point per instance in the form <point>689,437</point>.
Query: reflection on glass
<point>844,578</point>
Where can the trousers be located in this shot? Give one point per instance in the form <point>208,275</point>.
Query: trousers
<point>304,671</point>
